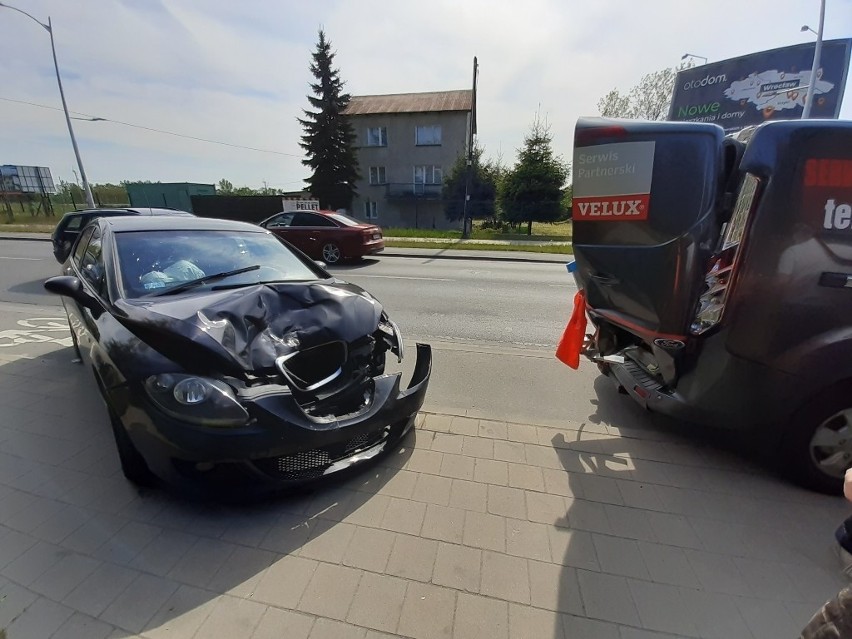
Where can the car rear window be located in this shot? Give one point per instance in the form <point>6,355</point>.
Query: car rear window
<point>74,223</point>
<point>344,219</point>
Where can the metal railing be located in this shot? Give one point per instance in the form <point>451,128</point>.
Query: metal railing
<point>412,191</point>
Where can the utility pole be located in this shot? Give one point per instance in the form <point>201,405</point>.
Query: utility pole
<point>467,223</point>
<point>809,97</point>
<point>49,28</point>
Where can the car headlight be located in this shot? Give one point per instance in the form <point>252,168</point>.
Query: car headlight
<point>197,400</point>
<point>391,330</point>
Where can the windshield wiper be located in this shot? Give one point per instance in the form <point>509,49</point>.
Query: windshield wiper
<point>224,287</point>
<point>206,280</point>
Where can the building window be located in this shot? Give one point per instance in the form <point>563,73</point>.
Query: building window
<point>377,175</point>
<point>428,135</point>
<point>370,211</point>
<point>428,174</point>
<point>377,136</point>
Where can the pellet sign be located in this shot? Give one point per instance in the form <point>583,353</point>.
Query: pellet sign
<point>612,182</point>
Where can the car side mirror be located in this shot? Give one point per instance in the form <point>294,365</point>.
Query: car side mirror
<point>70,286</point>
<point>321,264</point>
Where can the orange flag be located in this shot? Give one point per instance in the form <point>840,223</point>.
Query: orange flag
<point>568,350</point>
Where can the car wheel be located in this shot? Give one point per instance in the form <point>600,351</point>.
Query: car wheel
<point>133,465</point>
<point>331,253</point>
<point>819,443</point>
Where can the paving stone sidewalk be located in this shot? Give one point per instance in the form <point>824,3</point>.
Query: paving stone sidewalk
<point>475,528</point>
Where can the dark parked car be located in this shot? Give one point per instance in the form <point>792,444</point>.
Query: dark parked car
<point>326,235</point>
<point>73,222</point>
<point>718,276</point>
<point>225,358</point>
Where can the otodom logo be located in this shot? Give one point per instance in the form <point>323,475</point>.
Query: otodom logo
<point>707,80</point>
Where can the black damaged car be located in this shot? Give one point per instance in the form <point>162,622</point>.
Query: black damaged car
<point>227,358</point>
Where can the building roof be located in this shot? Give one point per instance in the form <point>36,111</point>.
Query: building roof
<point>461,100</point>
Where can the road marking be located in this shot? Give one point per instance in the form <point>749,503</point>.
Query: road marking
<point>38,326</point>
<point>401,277</point>
<point>29,259</point>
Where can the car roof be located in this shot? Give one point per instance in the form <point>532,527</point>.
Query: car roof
<point>133,223</point>
<point>130,211</point>
<point>320,212</point>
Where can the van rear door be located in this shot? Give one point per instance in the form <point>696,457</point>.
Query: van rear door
<point>647,213</point>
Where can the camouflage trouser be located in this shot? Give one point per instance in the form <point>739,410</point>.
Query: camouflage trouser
<point>833,620</point>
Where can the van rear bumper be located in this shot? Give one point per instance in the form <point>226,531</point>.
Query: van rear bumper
<point>723,391</point>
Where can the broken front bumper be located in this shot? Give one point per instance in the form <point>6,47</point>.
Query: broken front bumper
<point>282,445</point>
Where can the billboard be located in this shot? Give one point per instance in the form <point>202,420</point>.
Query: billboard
<point>26,179</point>
<point>755,88</point>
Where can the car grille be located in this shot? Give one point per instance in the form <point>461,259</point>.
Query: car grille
<point>312,366</point>
<point>313,463</point>
<point>357,442</point>
<point>305,460</point>
<point>325,370</point>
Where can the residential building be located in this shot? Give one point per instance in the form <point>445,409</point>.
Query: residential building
<point>406,144</point>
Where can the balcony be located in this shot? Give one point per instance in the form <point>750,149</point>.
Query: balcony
<point>412,191</point>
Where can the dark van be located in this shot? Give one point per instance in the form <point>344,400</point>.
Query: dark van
<point>717,274</point>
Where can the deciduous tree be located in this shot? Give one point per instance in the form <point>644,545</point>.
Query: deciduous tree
<point>482,187</point>
<point>648,100</point>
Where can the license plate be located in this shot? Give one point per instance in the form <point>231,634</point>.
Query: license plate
<point>377,236</point>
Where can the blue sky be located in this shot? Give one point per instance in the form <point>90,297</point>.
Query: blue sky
<point>238,71</point>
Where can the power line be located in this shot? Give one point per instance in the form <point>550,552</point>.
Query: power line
<point>94,118</point>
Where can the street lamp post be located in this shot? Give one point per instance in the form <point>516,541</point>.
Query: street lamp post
<point>809,97</point>
<point>48,27</point>
<point>692,55</point>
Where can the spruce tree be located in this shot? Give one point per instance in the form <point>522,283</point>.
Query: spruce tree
<point>329,141</point>
<point>534,189</point>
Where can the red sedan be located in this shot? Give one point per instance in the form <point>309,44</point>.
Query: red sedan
<point>326,235</point>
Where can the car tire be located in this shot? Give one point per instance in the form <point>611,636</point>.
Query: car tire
<point>819,432</point>
<point>133,465</point>
<point>331,253</point>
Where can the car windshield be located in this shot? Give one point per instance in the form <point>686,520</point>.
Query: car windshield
<point>344,219</point>
<point>154,262</point>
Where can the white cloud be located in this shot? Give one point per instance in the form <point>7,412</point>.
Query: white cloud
<point>238,72</point>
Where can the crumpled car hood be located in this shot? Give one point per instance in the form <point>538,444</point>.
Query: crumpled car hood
<point>243,330</point>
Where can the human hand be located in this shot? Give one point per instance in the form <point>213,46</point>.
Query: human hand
<point>847,485</point>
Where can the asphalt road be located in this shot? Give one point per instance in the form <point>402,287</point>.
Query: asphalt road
<point>485,301</point>
<point>493,326</point>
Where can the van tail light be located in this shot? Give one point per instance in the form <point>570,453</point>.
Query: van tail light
<point>720,277</point>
